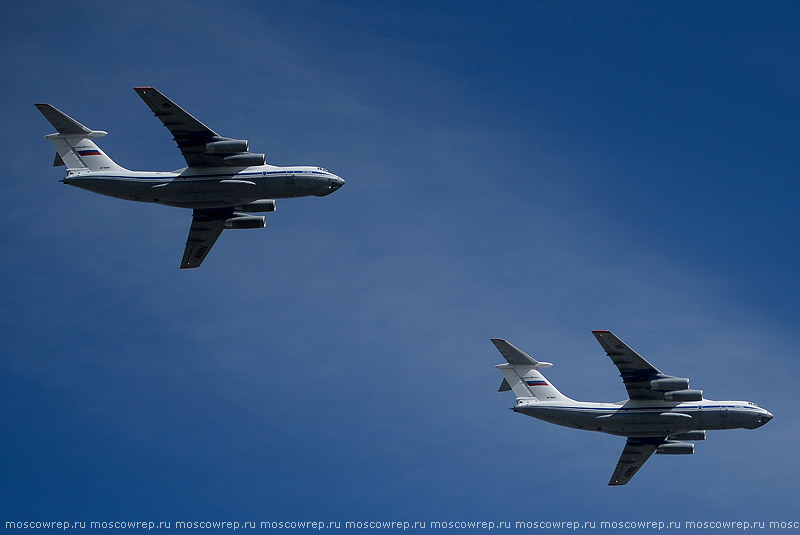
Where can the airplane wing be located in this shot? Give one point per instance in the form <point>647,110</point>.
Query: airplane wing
<point>636,452</point>
<point>636,372</point>
<point>206,227</point>
<point>200,146</point>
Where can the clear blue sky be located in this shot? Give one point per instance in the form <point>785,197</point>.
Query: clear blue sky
<point>529,171</point>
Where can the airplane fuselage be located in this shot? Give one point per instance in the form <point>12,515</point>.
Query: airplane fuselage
<point>208,187</point>
<point>647,418</point>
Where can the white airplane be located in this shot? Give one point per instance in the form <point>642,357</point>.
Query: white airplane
<point>661,413</point>
<point>223,182</point>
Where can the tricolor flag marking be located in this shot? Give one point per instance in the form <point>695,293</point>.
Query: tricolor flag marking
<point>537,383</point>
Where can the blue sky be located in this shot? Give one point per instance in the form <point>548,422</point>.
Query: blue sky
<point>530,171</point>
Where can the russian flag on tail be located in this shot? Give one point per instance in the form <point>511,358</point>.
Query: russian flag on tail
<point>537,382</point>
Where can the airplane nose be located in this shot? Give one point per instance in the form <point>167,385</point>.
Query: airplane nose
<point>328,186</point>
<point>765,418</point>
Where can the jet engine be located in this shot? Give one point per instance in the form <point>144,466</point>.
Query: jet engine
<point>666,384</point>
<point>246,159</point>
<point>676,448</point>
<point>689,435</point>
<point>227,146</point>
<point>263,205</point>
<point>239,221</point>
<point>684,395</point>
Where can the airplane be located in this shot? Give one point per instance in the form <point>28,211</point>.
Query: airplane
<point>661,414</point>
<point>223,182</point>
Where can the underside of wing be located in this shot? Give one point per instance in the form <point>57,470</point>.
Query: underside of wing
<point>200,146</point>
<point>635,454</point>
<point>207,225</point>
<point>636,372</point>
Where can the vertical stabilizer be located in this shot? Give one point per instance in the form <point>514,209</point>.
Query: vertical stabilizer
<point>73,143</point>
<point>521,374</point>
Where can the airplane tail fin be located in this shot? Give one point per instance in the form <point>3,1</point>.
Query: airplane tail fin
<point>521,374</point>
<point>73,142</point>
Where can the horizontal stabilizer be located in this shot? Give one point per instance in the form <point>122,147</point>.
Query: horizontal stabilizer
<point>66,125</point>
<point>516,356</point>
<point>63,123</point>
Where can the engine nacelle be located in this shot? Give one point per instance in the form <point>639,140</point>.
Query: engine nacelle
<point>669,383</point>
<point>689,435</point>
<point>676,448</point>
<point>239,221</point>
<point>245,160</point>
<point>227,146</point>
<point>264,205</point>
<point>684,395</point>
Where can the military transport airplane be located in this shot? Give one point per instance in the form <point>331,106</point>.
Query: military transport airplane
<point>660,415</point>
<point>223,182</point>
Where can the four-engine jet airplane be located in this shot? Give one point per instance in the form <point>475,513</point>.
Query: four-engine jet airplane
<point>223,182</point>
<point>661,413</point>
